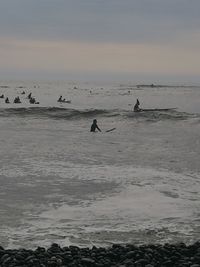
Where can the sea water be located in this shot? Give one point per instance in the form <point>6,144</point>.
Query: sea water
<point>136,184</point>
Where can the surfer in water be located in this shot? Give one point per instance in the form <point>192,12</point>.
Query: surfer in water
<point>7,100</point>
<point>60,99</point>
<point>94,126</point>
<point>17,100</point>
<point>29,96</point>
<point>137,106</point>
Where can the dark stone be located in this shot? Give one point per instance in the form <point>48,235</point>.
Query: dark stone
<point>141,262</point>
<point>87,261</point>
<point>168,263</point>
<point>128,262</point>
<point>7,260</point>
<point>74,248</point>
<point>40,250</point>
<point>99,265</point>
<point>4,257</point>
<point>130,254</point>
<point>167,255</point>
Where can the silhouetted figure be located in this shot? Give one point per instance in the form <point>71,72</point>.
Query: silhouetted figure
<point>60,99</point>
<point>136,107</point>
<point>30,96</point>
<point>32,100</point>
<point>94,126</point>
<point>7,100</point>
<point>17,100</point>
<point>63,100</point>
<point>1,96</point>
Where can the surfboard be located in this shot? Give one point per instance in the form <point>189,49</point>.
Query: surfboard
<point>155,109</point>
<point>65,101</point>
<point>110,130</point>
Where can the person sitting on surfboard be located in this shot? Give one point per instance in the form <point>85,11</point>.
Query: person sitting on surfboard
<point>7,100</point>
<point>94,126</point>
<point>32,100</point>
<point>136,107</point>
<point>17,100</point>
<point>60,99</point>
<point>29,96</point>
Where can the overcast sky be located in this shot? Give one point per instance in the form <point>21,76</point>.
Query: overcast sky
<point>151,40</point>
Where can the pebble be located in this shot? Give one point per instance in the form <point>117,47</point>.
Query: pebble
<point>179,255</point>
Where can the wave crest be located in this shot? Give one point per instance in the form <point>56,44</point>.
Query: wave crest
<point>66,113</point>
<point>52,112</point>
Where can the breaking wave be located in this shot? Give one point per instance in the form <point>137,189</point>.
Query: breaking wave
<point>53,112</point>
<point>67,114</point>
<point>159,114</point>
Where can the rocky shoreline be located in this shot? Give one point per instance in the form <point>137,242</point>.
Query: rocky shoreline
<point>167,255</point>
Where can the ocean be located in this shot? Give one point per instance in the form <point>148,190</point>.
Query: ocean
<point>60,183</point>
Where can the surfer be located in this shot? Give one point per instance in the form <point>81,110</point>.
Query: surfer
<point>7,100</point>
<point>94,126</point>
<point>32,100</point>
<point>17,100</point>
<point>60,99</point>
<point>29,96</point>
<point>63,100</point>
<point>136,107</point>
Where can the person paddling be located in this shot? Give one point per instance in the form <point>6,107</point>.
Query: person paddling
<point>94,126</point>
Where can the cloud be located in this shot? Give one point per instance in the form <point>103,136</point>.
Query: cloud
<point>99,20</point>
<point>107,36</point>
<point>111,57</point>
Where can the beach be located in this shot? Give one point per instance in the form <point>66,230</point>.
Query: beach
<point>130,255</point>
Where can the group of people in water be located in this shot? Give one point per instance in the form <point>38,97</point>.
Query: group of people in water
<point>6,99</point>
<point>94,125</point>
<point>32,99</point>
<point>17,99</point>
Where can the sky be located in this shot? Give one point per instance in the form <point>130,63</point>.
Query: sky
<point>135,40</point>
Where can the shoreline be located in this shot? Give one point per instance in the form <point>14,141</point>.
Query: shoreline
<point>149,255</point>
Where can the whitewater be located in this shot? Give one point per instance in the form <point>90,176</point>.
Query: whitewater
<point>136,184</point>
